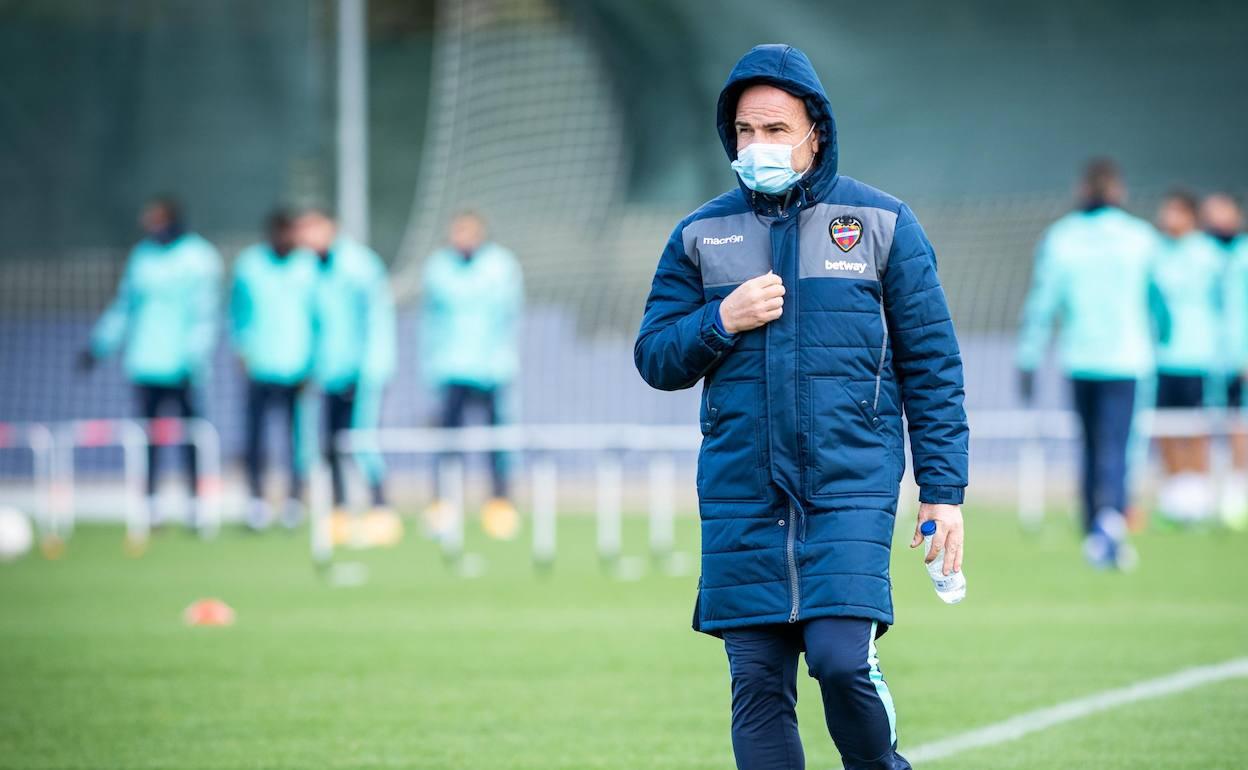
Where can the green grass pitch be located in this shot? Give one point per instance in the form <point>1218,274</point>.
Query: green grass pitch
<point>576,670</point>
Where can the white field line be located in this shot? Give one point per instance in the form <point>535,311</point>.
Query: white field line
<point>1041,719</point>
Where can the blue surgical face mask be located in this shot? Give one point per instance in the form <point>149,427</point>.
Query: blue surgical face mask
<point>768,168</point>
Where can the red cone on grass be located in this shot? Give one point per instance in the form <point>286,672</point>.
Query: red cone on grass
<point>208,612</point>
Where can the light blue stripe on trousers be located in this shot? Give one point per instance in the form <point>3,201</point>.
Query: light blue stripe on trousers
<point>877,679</point>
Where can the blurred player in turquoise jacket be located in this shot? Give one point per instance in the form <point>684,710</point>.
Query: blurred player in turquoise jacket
<point>1222,218</point>
<point>165,315</point>
<point>1188,270</point>
<point>1094,271</point>
<point>473,297</point>
<point>272,313</point>
<point>354,355</point>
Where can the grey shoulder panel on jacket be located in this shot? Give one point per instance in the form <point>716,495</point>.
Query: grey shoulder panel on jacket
<point>727,204</point>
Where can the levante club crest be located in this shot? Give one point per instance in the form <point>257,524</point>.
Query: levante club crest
<point>846,232</point>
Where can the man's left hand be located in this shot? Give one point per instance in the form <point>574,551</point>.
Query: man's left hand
<point>948,537</point>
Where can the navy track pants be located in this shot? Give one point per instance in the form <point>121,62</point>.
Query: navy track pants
<point>154,402</point>
<point>457,400</point>
<point>840,654</point>
<point>1105,409</point>
<point>261,396</point>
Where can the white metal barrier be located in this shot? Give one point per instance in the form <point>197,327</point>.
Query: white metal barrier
<point>542,442</point>
<point>134,437</point>
<point>1032,429</point>
<point>53,447</point>
<point>36,439</point>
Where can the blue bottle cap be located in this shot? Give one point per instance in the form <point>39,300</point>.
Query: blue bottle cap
<point>929,528</point>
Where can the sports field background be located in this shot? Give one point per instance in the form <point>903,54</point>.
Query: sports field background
<point>420,668</point>
<point>583,130</point>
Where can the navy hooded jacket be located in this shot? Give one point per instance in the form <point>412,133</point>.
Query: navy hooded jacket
<point>802,451</point>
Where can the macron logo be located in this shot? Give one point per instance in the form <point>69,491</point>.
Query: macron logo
<point>711,241</point>
<point>840,264</point>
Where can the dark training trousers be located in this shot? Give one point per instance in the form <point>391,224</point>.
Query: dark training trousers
<point>339,416</point>
<point>339,408</point>
<point>1105,410</point>
<point>1180,391</point>
<point>262,396</point>
<point>840,654</point>
<point>153,400</point>
<point>457,399</point>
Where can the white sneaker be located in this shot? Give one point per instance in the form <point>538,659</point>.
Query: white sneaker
<point>1126,559</point>
<point>1097,550</point>
<point>1113,524</point>
<point>292,513</point>
<point>155,514</point>
<point>1186,498</point>
<point>1107,546</point>
<point>258,515</point>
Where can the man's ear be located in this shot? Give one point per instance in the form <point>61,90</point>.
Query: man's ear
<point>814,139</point>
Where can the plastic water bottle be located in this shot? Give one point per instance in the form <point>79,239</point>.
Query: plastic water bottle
<point>950,588</point>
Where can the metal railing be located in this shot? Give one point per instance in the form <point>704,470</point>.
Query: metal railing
<point>55,446</point>
<point>1033,430</point>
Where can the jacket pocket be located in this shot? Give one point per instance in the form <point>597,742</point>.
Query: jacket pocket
<point>730,463</point>
<point>850,450</point>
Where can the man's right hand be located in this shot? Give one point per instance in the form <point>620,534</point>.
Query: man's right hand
<point>754,303</point>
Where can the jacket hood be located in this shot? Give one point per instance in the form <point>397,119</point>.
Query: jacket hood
<point>787,68</point>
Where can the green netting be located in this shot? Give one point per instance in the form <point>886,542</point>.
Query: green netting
<point>969,99</point>
<point>104,103</point>
<point>583,130</point>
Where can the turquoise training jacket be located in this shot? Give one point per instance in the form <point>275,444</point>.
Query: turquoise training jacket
<point>1189,274</point>
<point>273,312</point>
<point>471,317</point>
<point>355,336</point>
<point>1093,270</point>
<point>165,311</point>
<point>1234,320</point>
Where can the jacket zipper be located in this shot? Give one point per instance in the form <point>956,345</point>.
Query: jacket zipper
<point>879,370</point>
<point>794,588</point>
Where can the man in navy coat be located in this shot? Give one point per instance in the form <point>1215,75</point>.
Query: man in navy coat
<point>808,304</point>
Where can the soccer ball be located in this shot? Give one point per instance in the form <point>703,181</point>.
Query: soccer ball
<point>1186,498</point>
<point>16,534</point>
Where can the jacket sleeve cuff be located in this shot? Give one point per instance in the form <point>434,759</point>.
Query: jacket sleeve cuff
<point>719,325</point>
<point>713,334</point>
<point>942,495</point>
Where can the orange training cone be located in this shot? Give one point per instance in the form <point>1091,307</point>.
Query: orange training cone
<point>208,612</point>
